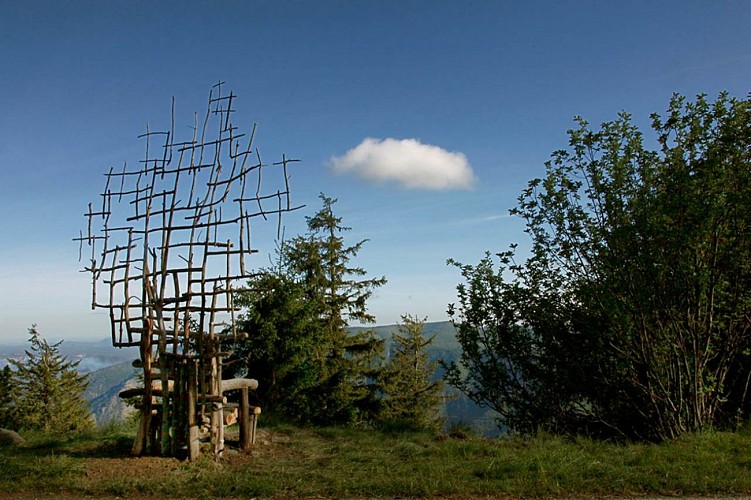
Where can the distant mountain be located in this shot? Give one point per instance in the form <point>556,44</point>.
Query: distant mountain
<point>92,354</point>
<point>104,386</point>
<point>444,345</point>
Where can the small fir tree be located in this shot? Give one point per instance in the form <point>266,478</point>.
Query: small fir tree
<point>413,398</point>
<point>7,399</point>
<point>297,316</point>
<point>282,331</point>
<point>50,389</point>
<point>344,390</point>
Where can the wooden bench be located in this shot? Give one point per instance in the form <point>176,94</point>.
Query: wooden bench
<point>247,414</point>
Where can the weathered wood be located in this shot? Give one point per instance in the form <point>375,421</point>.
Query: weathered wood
<point>156,390</point>
<point>248,419</point>
<point>245,433</point>
<point>144,433</point>
<point>210,399</point>
<point>138,391</point>
<point>255,412</point>
<point>185,208</point>
<point>216,426</point>
<point>230,415</point>
<point>239,383</point>
<point>194,446</point>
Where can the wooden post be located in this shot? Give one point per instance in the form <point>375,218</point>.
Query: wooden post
<point>166,427</point>
<point>217,414</point>
<point>155,429</point>
<point>143,436</point>
<point>142,432</point>
<point>194,448</point>
<point>254,412</point>
<point>217,423</point>
<point>244,417</point>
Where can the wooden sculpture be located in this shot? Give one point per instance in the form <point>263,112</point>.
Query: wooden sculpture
<point>169,246</point>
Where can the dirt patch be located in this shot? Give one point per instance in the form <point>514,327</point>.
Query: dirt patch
<point>117,467</point>
<point>114,468</point>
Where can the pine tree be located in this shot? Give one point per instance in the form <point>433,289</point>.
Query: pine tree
<point>50,389</point>
<point>282,329</point>
<point>7,400</point>
<point>297,318</point>
<point>344,391</point>
<point>412,398</point>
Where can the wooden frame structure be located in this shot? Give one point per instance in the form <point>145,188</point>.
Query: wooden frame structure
<point>167,257</point>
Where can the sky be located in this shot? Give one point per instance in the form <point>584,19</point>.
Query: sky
<point>424,119</point>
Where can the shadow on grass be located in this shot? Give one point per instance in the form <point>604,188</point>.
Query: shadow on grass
<point>114,447</point>
<point>94,444</point>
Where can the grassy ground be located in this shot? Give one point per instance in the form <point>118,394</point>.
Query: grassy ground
<point>291,462</point>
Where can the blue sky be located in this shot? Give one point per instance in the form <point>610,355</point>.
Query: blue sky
<point>492,86</point>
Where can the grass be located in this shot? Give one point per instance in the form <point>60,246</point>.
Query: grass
<point>332,462</point>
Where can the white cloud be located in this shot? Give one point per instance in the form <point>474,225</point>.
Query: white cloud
<point>407,162</point>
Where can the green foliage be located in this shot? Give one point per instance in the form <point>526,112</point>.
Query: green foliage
<point>282,328</point>
<point>632,314</point>
<point>297,318</point>
<point>506,362</point>
<point>8,418</point>
<point>412,398</point>
<point>49,390</point>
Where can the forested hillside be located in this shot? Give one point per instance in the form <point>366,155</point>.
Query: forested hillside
<point>104,386</point>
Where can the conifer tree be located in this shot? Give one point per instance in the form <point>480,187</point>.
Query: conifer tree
<point>412,398</point>
<point>297,318</point>
<point>344,390</point>
<point>282,329</point>
<point>7,399</point>
<point>50,389</point>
